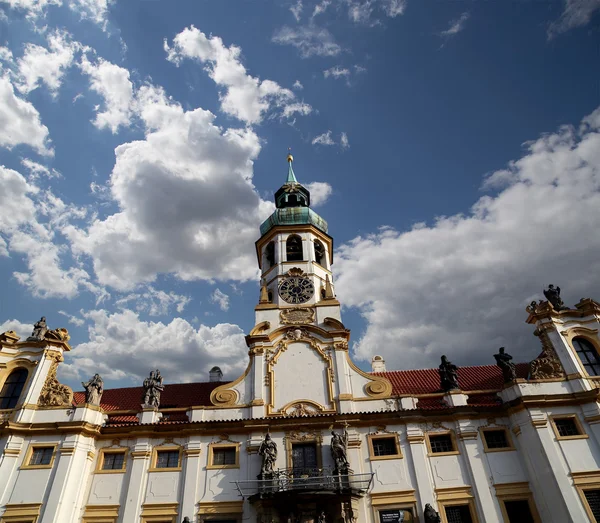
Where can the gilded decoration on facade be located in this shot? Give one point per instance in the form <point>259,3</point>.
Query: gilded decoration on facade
<point>547,365</point>
<point>296,272</point>
<point>54,393</point>
<point>297,316</point>
<point>301,409</point>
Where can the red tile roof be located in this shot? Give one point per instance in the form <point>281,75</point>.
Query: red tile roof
<point>413,382</point>
<point>175,395</point>
<point>427,381</point>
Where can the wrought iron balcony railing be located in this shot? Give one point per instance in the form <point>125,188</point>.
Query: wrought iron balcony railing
<point>286,480</point>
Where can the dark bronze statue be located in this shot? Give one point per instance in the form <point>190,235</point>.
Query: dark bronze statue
<point>39,330</point>
<point>268,451</point>
<point>553,296</point>
<point>503,361</point>
<point>93,390</point>
<point>153,386</point>
<point>339,445</point>
<point>448,375</point>
<point>430,515</point>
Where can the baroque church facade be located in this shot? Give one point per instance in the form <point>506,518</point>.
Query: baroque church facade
<point>304,435</point>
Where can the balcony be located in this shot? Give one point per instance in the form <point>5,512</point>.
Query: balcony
<point>286,482</point>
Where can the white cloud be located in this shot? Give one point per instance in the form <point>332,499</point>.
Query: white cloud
<point>344,141</point>
<point>154,302</point>
<point>327,139</point>
<point>323,139</point>
<point>246,97</point>
<point>20,121</point>
<point>296,10</point>
<point>94,10</point>
<point>37,170</point>
<point>309,40</point>
<point>456,26</point>
<point>221,299</point>
<point>459,286</point>
<point>337,72</point>
<point>48,66</point>
<point>361,11</point>
<point>79,322</point>
<point>320,8</point>
<point>113,84</point>
<point>23,330</point>
<point>298,85</point>
<point>30,219</point>
<point>319,193</point>
<point>577,13</point>
<point>121,346</point>
<point>33,8</point>
<point>186,201</point>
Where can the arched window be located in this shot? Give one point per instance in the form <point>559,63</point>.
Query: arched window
<point>294,248</point>
<point>319,253</point>
<point>588,356</point>
<point>13,386</point>
<point>270,254</point>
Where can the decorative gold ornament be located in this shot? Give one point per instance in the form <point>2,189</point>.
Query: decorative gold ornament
<point>297,316</point>
<point>224,398</point>
<point>299,410</point>
<point>54,393</point>
<point>58,334</point>
<point>547,365</point>
<point>296,272</point>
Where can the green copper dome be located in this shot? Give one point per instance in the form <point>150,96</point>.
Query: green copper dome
<point>293,216</point>
<point>293,201</point>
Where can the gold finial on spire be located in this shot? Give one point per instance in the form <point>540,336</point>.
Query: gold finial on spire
<point>290,158</point>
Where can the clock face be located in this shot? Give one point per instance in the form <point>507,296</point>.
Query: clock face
<point>296,289</point>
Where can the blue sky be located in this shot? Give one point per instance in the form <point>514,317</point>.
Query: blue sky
<point>453,148</point>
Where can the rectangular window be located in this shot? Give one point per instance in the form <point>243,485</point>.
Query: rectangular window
<point>304,458</point>
<point>593,499</point>
<point>167,459</point>
<point>224,456</point>
<point>384,446</point>
<point>567,427</point>
<point>441,443</point>
<point>518,511</point>
<point>113,461</point>
<point>458,514</point>
<point>496,439</point>
<point>41,456</point>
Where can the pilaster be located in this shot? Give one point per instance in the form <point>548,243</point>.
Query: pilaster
<point>138,478</point>
<point>421,466</point>
<point>191,478</point>
<point>548,471</point>
<point>8,465</point>
<point>472,447</point>
<point>68,483</point>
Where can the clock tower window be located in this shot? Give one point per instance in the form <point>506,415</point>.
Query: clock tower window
<point>270,254</point>
<point>294,248</point>
<point>319,253</point>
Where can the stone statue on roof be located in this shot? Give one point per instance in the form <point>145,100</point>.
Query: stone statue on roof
<point>552,294</point>
<point>93,390</point>
<point>40,329</point>
<point>153,386</point>
<point>448,375</point>
<point>503,360</point>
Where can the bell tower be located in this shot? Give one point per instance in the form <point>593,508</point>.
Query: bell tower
<point>295,255</point>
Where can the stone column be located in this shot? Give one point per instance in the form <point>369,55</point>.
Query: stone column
<point>138,478</point>
<point>191,478</point>
<point>421,467</point>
